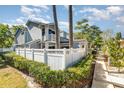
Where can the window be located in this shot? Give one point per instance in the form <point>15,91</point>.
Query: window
<point>22,33</point>
<point>43,32</point>
<point>51,32</point>
<point>30,26</point>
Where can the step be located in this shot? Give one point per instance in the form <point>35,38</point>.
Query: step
<point>116,80</point>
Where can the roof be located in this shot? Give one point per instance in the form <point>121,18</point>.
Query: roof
<point>38,22</point>
<point>38,40</point>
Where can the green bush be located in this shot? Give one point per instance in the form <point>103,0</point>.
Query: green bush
<point>2,61</point>
<point>70,77</point>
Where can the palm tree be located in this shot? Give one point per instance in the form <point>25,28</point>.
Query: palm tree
<point>56,27</point>
<point>70,27</point>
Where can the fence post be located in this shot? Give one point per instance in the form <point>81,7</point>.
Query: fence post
<point>64,59</point>
<point>45,56</point>
<point>33,54</point>
<point>18,51</point>
<point>71,53</point>
<point>25,52</point>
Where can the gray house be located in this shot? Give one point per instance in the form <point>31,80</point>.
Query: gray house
<point>40,35</point>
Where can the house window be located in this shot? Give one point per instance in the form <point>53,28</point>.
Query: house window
<point>22,33</point>
<point>51,31</point>
<point>30,26</point>
<point>43,32</point>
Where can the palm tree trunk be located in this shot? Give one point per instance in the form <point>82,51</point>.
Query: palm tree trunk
<point>70,27</point>
<point>56,27</point>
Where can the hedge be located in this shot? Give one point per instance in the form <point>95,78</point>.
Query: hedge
<point>71,77</point>
<point>2,62</point>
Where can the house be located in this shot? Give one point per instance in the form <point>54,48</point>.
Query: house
<point>39,35</point>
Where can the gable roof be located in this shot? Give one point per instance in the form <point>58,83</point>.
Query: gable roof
<point>36,22</point>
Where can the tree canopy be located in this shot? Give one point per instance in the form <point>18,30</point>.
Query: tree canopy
<point>16,27</point>
<point>6,36</point>
<point>118,35</point>
<point>91,33</point>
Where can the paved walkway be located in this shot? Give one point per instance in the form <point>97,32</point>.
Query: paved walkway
<point>101,77</point>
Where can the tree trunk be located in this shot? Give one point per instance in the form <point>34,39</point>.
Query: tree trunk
<point>57,38</point>
<point>70,27</point>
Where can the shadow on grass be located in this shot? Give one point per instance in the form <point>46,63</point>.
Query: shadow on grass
<point>2,61</point>
<point>3,66</point>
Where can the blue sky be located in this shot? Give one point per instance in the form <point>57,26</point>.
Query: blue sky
<point>106,17</point>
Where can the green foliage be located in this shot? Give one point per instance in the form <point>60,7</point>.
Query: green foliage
<point>71,77</point>
<point>118,36</point>
<point>78,35</point>
<point>91,33</point>
<point>16,27</point>
<point>116,53</point>
<point>6,37</point>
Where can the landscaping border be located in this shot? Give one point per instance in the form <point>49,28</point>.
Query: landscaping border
<point>75,76</point>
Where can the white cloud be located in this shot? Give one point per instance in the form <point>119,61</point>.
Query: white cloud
<point>48,17</point>
<point>39,19</point>
<point>42,6</point>
<point>115,10</point>
<point>118,26</point>
<point>26,10</point>
<point>66,7</point>
<point>33,13</point>
<point>29,11</point>
<point>37,10</point>
<point>63,24</point>
<point>96,13</point>
<point>104,14</point>
<point>20,20</point>
<point>120,19</point>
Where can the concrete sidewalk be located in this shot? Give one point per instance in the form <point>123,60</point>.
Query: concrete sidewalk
<point>115,81</point>
<point>100,78</point>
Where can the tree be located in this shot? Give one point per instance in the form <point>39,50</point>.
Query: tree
<point>16,27</point>
<point>56,27</point>
<point>116,53</point>
<point>91,33</point>
<point>70,27</point>
<point>6,36</point>
<point>106,35</point>
<point>78,35</point>
<point>118,35</point>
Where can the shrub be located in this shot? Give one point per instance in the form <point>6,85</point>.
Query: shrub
<point>71,77</point>
<point>2,61</point>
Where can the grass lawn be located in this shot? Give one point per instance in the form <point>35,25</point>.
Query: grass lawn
<point>10,78</point>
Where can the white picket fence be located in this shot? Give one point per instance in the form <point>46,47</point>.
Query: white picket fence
<point>5,50</point>
<point>57,59</point>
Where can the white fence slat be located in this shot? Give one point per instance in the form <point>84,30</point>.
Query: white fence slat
<point>57,59</point>
<point>5,50</point>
